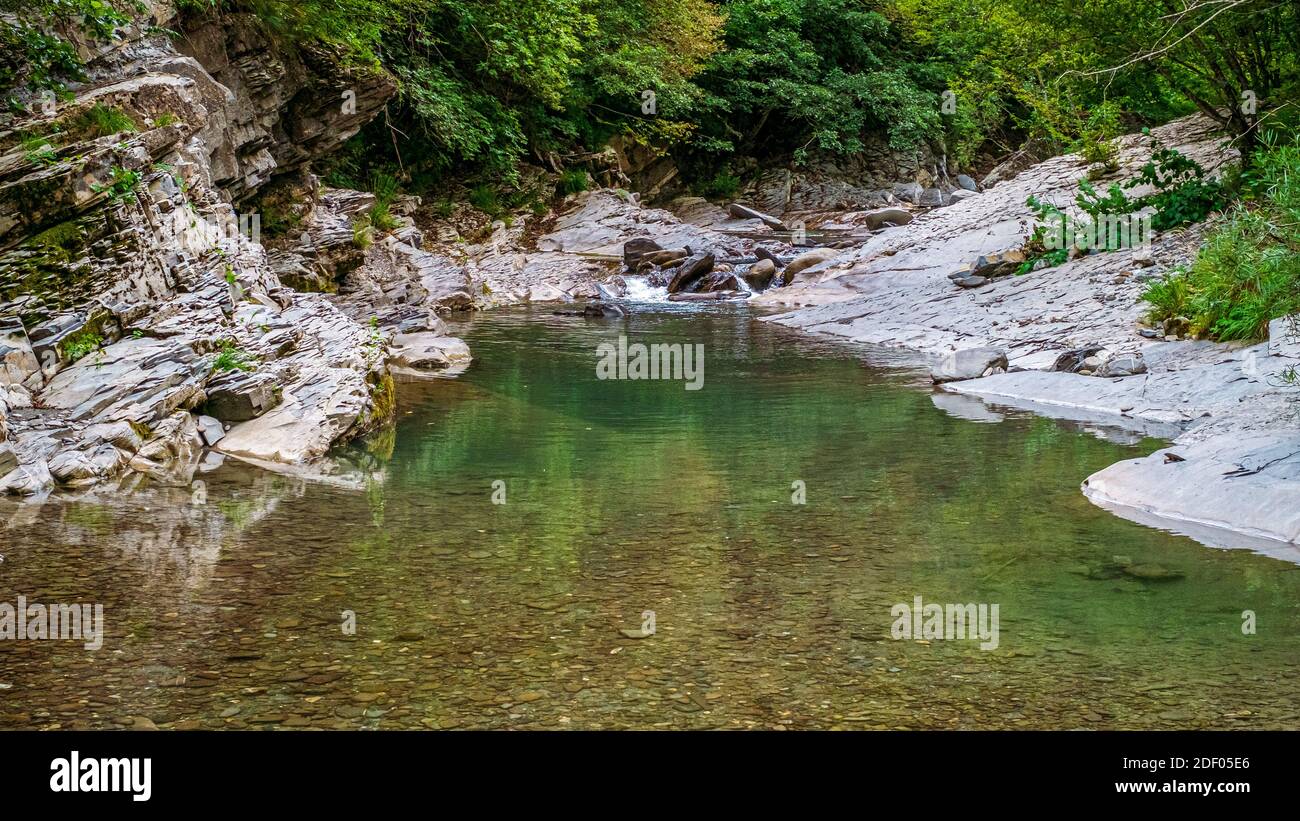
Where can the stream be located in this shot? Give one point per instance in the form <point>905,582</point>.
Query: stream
<point>531,546</point>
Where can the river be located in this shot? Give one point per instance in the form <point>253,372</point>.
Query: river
<point>531,546</point>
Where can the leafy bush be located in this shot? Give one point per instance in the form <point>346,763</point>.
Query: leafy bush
<point>572,181</point>
<point>80,344</point>
<point>121,183</point>
<point>722,186</point>
<point>1184,194</point>
<point>1248,270</point>
<point>31,53</point>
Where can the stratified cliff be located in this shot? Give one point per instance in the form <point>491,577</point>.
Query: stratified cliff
<point>141,317</point>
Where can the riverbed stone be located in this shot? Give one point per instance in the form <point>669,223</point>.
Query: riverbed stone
<point>759,275</point>
<point>803,262</point>
<point>744,212</point>
<point>691,272</point>
<point>428,351</point>
<point>970,363</point>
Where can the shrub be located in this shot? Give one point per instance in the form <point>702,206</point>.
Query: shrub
<point>572,181</point>
<point>484,198</point>
<point>100,121</point>
<point>1183,193</point>
<point>721,186</point>
<point>1248,270</point>
<point>80,344</point>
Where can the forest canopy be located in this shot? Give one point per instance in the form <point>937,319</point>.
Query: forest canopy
<point>487,83</point>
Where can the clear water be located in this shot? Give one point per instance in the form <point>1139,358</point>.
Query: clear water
<point>629,496</point>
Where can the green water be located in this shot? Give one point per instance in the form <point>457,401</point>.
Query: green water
<point>623,497</point>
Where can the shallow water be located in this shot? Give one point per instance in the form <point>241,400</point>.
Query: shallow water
<point>629,496</point>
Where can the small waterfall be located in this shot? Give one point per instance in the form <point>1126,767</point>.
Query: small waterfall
<point>639,289</point>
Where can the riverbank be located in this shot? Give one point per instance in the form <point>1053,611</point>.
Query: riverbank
<point>1233,472</point>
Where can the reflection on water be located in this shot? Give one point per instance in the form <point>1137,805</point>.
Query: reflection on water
<point>225,609</point>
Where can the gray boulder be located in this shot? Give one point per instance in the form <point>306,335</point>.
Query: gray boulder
<point>428,351</point>
<point>971,363</point>
<point>211,430</point>
<point>637,247</point>
<point>1122,364</point>
<point>805,261</point>
<point>1075,360</point>
<point>236,396</point>
<point>932,198</point>
<point>909,192</point>
<point>886,216</point>
<point>690,272</point>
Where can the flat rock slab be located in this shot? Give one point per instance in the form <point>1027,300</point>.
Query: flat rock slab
<point>1247,485</point>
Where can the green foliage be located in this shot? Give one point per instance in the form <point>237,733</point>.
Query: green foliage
<point>232,358</point>
<point>97,121</point>
<point>1184,194</point>
<point>484,198</point>
<point>802,74</point>
<point>384,187</point>
<point>81,344</point>
<point>572,181</point>
<point>40,152</point>
<point>1248,269</point>
<point>1095,205</point>
<point>363,235</point>
<point>721,186</point>
<point>1096,140</point>
<point>31,51</point>
<point>121,183</point>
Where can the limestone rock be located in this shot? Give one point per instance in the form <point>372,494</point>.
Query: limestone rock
<point>971,363</point>
<point>426,351</point>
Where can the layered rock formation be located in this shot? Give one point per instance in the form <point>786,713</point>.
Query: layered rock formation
<point>136,295</point>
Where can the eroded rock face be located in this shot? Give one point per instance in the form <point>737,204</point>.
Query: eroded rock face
<point>273,110</point>
<point>825,183</point>
<point>134,297</point>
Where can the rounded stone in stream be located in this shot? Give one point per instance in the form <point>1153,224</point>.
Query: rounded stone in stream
<point>1152,573</point>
